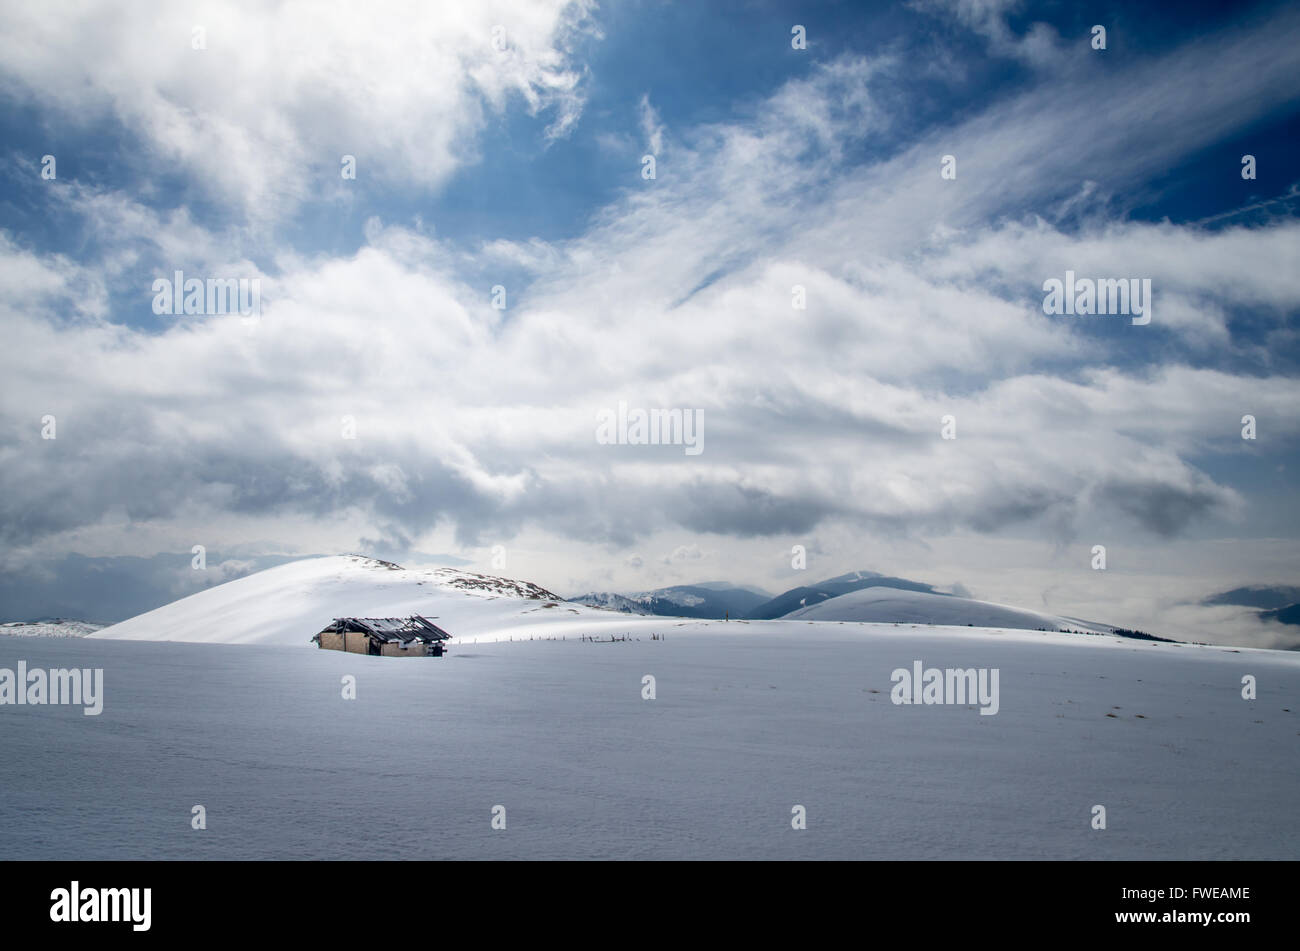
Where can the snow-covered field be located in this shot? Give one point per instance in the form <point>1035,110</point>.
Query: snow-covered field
<point>747,723</point>
<point>749,720</point>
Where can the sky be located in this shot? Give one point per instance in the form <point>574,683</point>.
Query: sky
<point>838,259</point>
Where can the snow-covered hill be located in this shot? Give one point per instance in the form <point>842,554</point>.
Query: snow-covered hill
<point>290,603</point>
<point>808,595</point>
<point>610,601</point>
<point>54,627</point>
<point>892,605</point>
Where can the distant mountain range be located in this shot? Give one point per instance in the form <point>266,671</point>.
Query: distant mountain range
<point>878,604</point>
<point>856,596</point>
<point>803,597</point>
<point>1276,602</point>
<point>709,600</point>
<point>718,599</point>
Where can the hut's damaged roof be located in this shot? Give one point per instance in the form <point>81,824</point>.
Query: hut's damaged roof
<point>391,629</point>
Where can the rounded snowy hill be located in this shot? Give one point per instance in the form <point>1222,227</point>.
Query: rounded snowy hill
<point>886,605</point>
<point>288,604</point>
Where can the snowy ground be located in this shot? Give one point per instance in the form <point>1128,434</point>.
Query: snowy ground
<point>749,720</point>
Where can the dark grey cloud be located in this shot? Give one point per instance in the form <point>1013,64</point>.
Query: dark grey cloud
<point>112,589</point>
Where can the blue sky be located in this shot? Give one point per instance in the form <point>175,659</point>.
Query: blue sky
<point>775,166</point>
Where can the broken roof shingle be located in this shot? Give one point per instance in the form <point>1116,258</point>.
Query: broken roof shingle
<point>392,628</point>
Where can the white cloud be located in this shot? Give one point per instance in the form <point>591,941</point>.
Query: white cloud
<point>263,115</point>
<point>652,128</point>
<point>1040,45</point>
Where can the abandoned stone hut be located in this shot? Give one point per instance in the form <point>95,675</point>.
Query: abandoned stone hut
<point>384,636</point>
